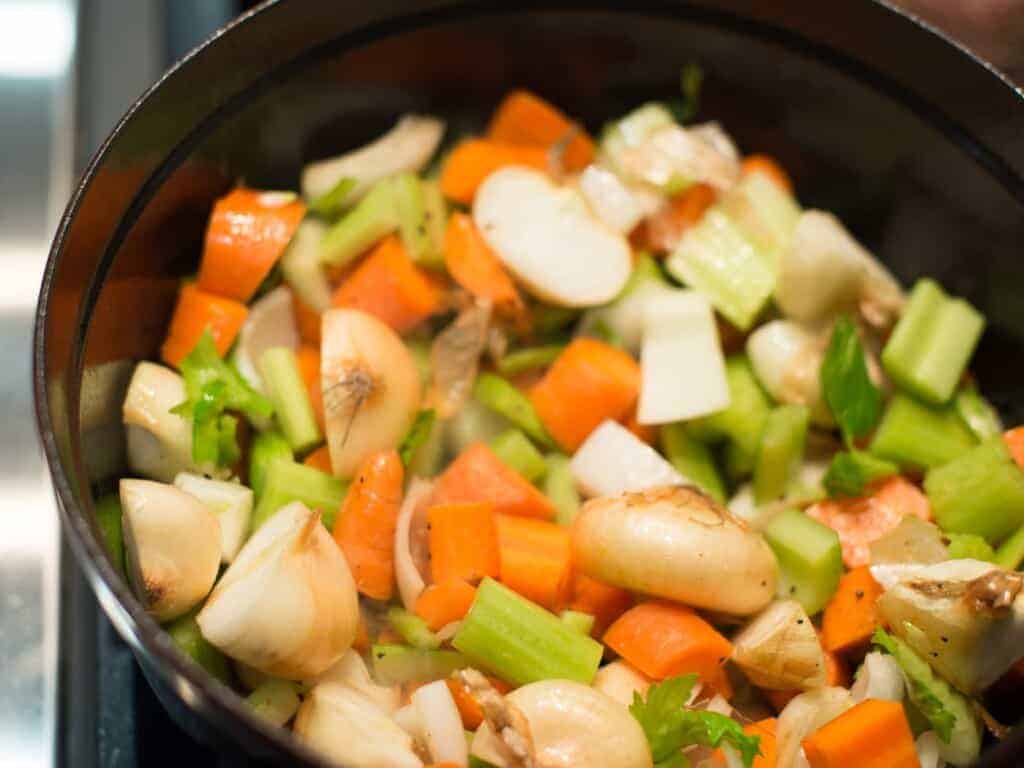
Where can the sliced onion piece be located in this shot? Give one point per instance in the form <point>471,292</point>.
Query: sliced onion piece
<point>351,670</point>
<point>230,502</point>
<point>441,723</point>
<point>804,715</point>
<point>407,574</point>
<point>879,677</point>
<point>613,460</point>
<point>617,204</point>
<point>270,323</point>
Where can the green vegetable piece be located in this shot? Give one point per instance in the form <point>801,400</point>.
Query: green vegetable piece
<point>108,519</point>
<point>693,459</point>
<point>852,397</point>
<point>951,714</point>
<point>764,212</point>
<point>397,664</point>
<point>980,492</point>
<point>266,447</point>
<point>374,217</point>
<point>520,642</point>
<point>918,436</point>
<point>560,487</point>
<point>417,435</point>
<point>420,349</point>
<point>503,398</point>
<point>516,450</point>
<point>294,412</point>
<point>184,631</point>
<point>332,202</point>
<point>931,344</point>
<point>977,413</point>
<point>810,558</point>
<point>578,621</point>
<point>1010,554</point>
<point>529,359</point>
<point>474,422</point>
<point>436,218</point>
<point>969,546</point>
<point>549,321</point>
<point>633,129</point>
<point>428,458</point>
<point>476,762</point>
<point>781,452</point>
<point>690,79</point>
<point>275,700</point>
<point>850,472</point>
<point>288,481</point>
<point>412,628</point>
<point>413,225</point>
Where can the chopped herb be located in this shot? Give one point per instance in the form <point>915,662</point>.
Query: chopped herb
<point>849,473</point>
<point>852,397</point>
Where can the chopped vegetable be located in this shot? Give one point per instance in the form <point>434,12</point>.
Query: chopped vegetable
<point>580,622</point>
<point>230,502</point>
<point>478,476</point>
<point>503,398</point>
<point>632,130</point>
<point>417,435</point>
<point>779,649</point>
<point>271,323</point>
<point>852,397</point>
<point>764,211</point>
<point>663,231</point>
<point>412,628</point>
<point>624,317</point>
<point>513,448</point>
<point>851,472</point>
<point>304,273</point>
<point>108,520</point>
<point>535,559</point>
<point>970,546</point>
<point>780,453</point>
<point>560,487</point>
<point>768,167</point>
<point>463,541</point>
<point>851,616</point>
<point>620,205</point>
<point>810,558</point>
<point>158,439</point>
<point>275,700</point>
<point>613,461</point>
<point>474,160</point>
<point>525,118</point>
<point>786,358</point>
<point>267,447</point>
<point>288,393</point>
<point>804,715</point>
<point>528,359</point>
<point>445,602</point>
<point>375,217</point>
<point>671,157</point>
<point>394,664</point>
<point>319,459</point>
<point>198,314</point>
<point>418,233</point>
<point>332,202</point>
<point>978,413</point>
<point>184,631</point>
<point>285,482</point>
<point>1010,553</point>
<point>692,459</point>
<point>918,436</point>
<point>476,268</point>
<point>879,677</point>
<point>873,734</point>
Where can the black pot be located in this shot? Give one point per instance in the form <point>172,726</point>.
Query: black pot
<point>916,145</point>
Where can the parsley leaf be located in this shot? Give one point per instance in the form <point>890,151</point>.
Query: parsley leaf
<point>417,435</point>
<point>684,109</point>
<point>852,397</point>
<point>711,729</point>
<point>849,473</point>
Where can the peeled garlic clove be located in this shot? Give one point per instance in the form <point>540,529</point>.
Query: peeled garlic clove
<point>351,670</point>
<point>287,605</point>
<point>441,723</point>
<point>620,680</point>
<point>270,323</point>
<point>230,502</point>
<point>159,442</point>
<point>371,387</point>
<point>779,649</point>
<point>346,726</point>
<point>173,546</point>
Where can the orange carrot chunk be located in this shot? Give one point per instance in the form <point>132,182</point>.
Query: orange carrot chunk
<point>247,233</point>
<point>444,602</point>
<point>319,459</point>
<point>535,560</point>
<point>770,168</point>
<point>851,616</point>
<point>525,118</point>
<point>195,312</point>
<point>470,711</point>
<point>663,231</point>
<point>478,476</point>
<point>873,734</point>
<point>1014,439</point>
<point>391,287</point>
<point>589,382</point>
<point>605,603</point>
<point>365,528</point>
<point>474,266</point>
<point>474,160</point>
<point>663,640</point>
<point>463,543</point>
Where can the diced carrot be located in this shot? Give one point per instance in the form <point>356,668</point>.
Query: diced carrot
<point>470,711</point>
<point>662,231</point>
<point>589,382</point>
<point>442,603</point>
<point>873,734</point>
<point>309,366</point>
<point>765,731</point>
<point>474,266</point>
<point>195,312</point>
<point>1014,439</point>
<point>836,674</point>
<point>474,160</point>
<point>851,616</point>
<point>307,320</point>
<point>525,118</point>
<point>646,432</point>
<point>478,475</point>
<point>390,286</point>
<point>605,603</point>
<point>247,233</point>
<point>663,640</point>
<point>463,542</point>
<point>535,560</point>
<point>365,528</point>
<point>319,459</point>
<point>770,168</point>
<point>861,521</point>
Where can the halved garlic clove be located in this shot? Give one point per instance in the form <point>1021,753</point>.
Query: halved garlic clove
<point>351,670</point>
<point>159,442</point>
<point>288,604</point>
<point>173,546</point>
<point>780,650</point>
<point>270,323</point>
<point>230,502</point>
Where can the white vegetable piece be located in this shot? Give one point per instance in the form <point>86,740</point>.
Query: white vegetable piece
<point>159,442</point>
<point>620,680</point>
<point>765,212</point>
<point>407,575</point>
<point>406,147</point>
<point>613,460</point>
<point>270,323</point>
<point>173,545</point>
<point>632,130</point>
<point>713,134</point>
<point>879,677</point>
<point>786,359</point>
<point>780,650</point>
<point>625,316</point>
<point>617,204</point>
<point>302,269</point>
<point>350,670</point>
<point>346,726</point>
<point>230,502</point>
<point>548,238</point>
<point>682,367</point>
<point>441,723</point>
<point>671,153</point>
<point>928,748</point>
<point>804,715</point>
<point>287,605</point>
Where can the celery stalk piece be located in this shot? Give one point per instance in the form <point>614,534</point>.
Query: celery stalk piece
<point>332,202</point>
<point>578,621</point>
<point>977,413</point>
<point>475,422</point>
<point>293,411</point>
<point>503,398</point>
<point>693,459</point>
<point>716,259</point>
<point>560,487</point>
<point>375,216</point>
<point>969,546</point>
<point>288,481</point>
<point>781,451</point>
<point>108,520</point>
<point>413,224</point>
<point>810,558</point>
<point>515,449</point>
<point>301,266</point>
<point>1010,553</point>
<point>266,447</point>
<point>412,628</point>
<point>919,436</point>
<point>763,211</point>
<point>981,492</point>
<point>932,342</point>
<point>436,216</point>
<point>849,473</point>
<point>184,631</point>
<point>275,700</point>
<point>396,664</point>
<point>529,359</point>
<point>522,643</point>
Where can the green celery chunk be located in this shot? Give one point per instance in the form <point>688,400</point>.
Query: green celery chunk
<point>108,519</point>
<point>413,225</point>
<point>503,398</point>
<point>521,642</point>
<point>716,259</point>
<point>560,487</point>
<point>288,481</point>
<point>396,664</point>
<point>550,321</point>
<point>266,447</point>
<point>184,631</point>
<point>529,359</point>
<point>301,266</point>
<point>693,459</point>
<point>418,434</point>
<point>781,451</point>
<point>980,492</point>
<point>931,344</point>
<point>765,212</point>
<point>436,219</point>
<point>275,700</point>
<point>1010,553</point>
<point>969,546</point>
<point>850,472</point>
<point>474,422</point>
<point>374,217</point>
<point>428,458</point>
<point>810,558</point>
<point>412,628</point>
<point>293,411</point>
<point>977,413</point>
<point>515,449</point>
<point>332,202</point>
<point>578,621</point>
<point>919,436</point>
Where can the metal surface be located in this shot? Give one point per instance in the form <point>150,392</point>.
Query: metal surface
<point>36,53</point>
